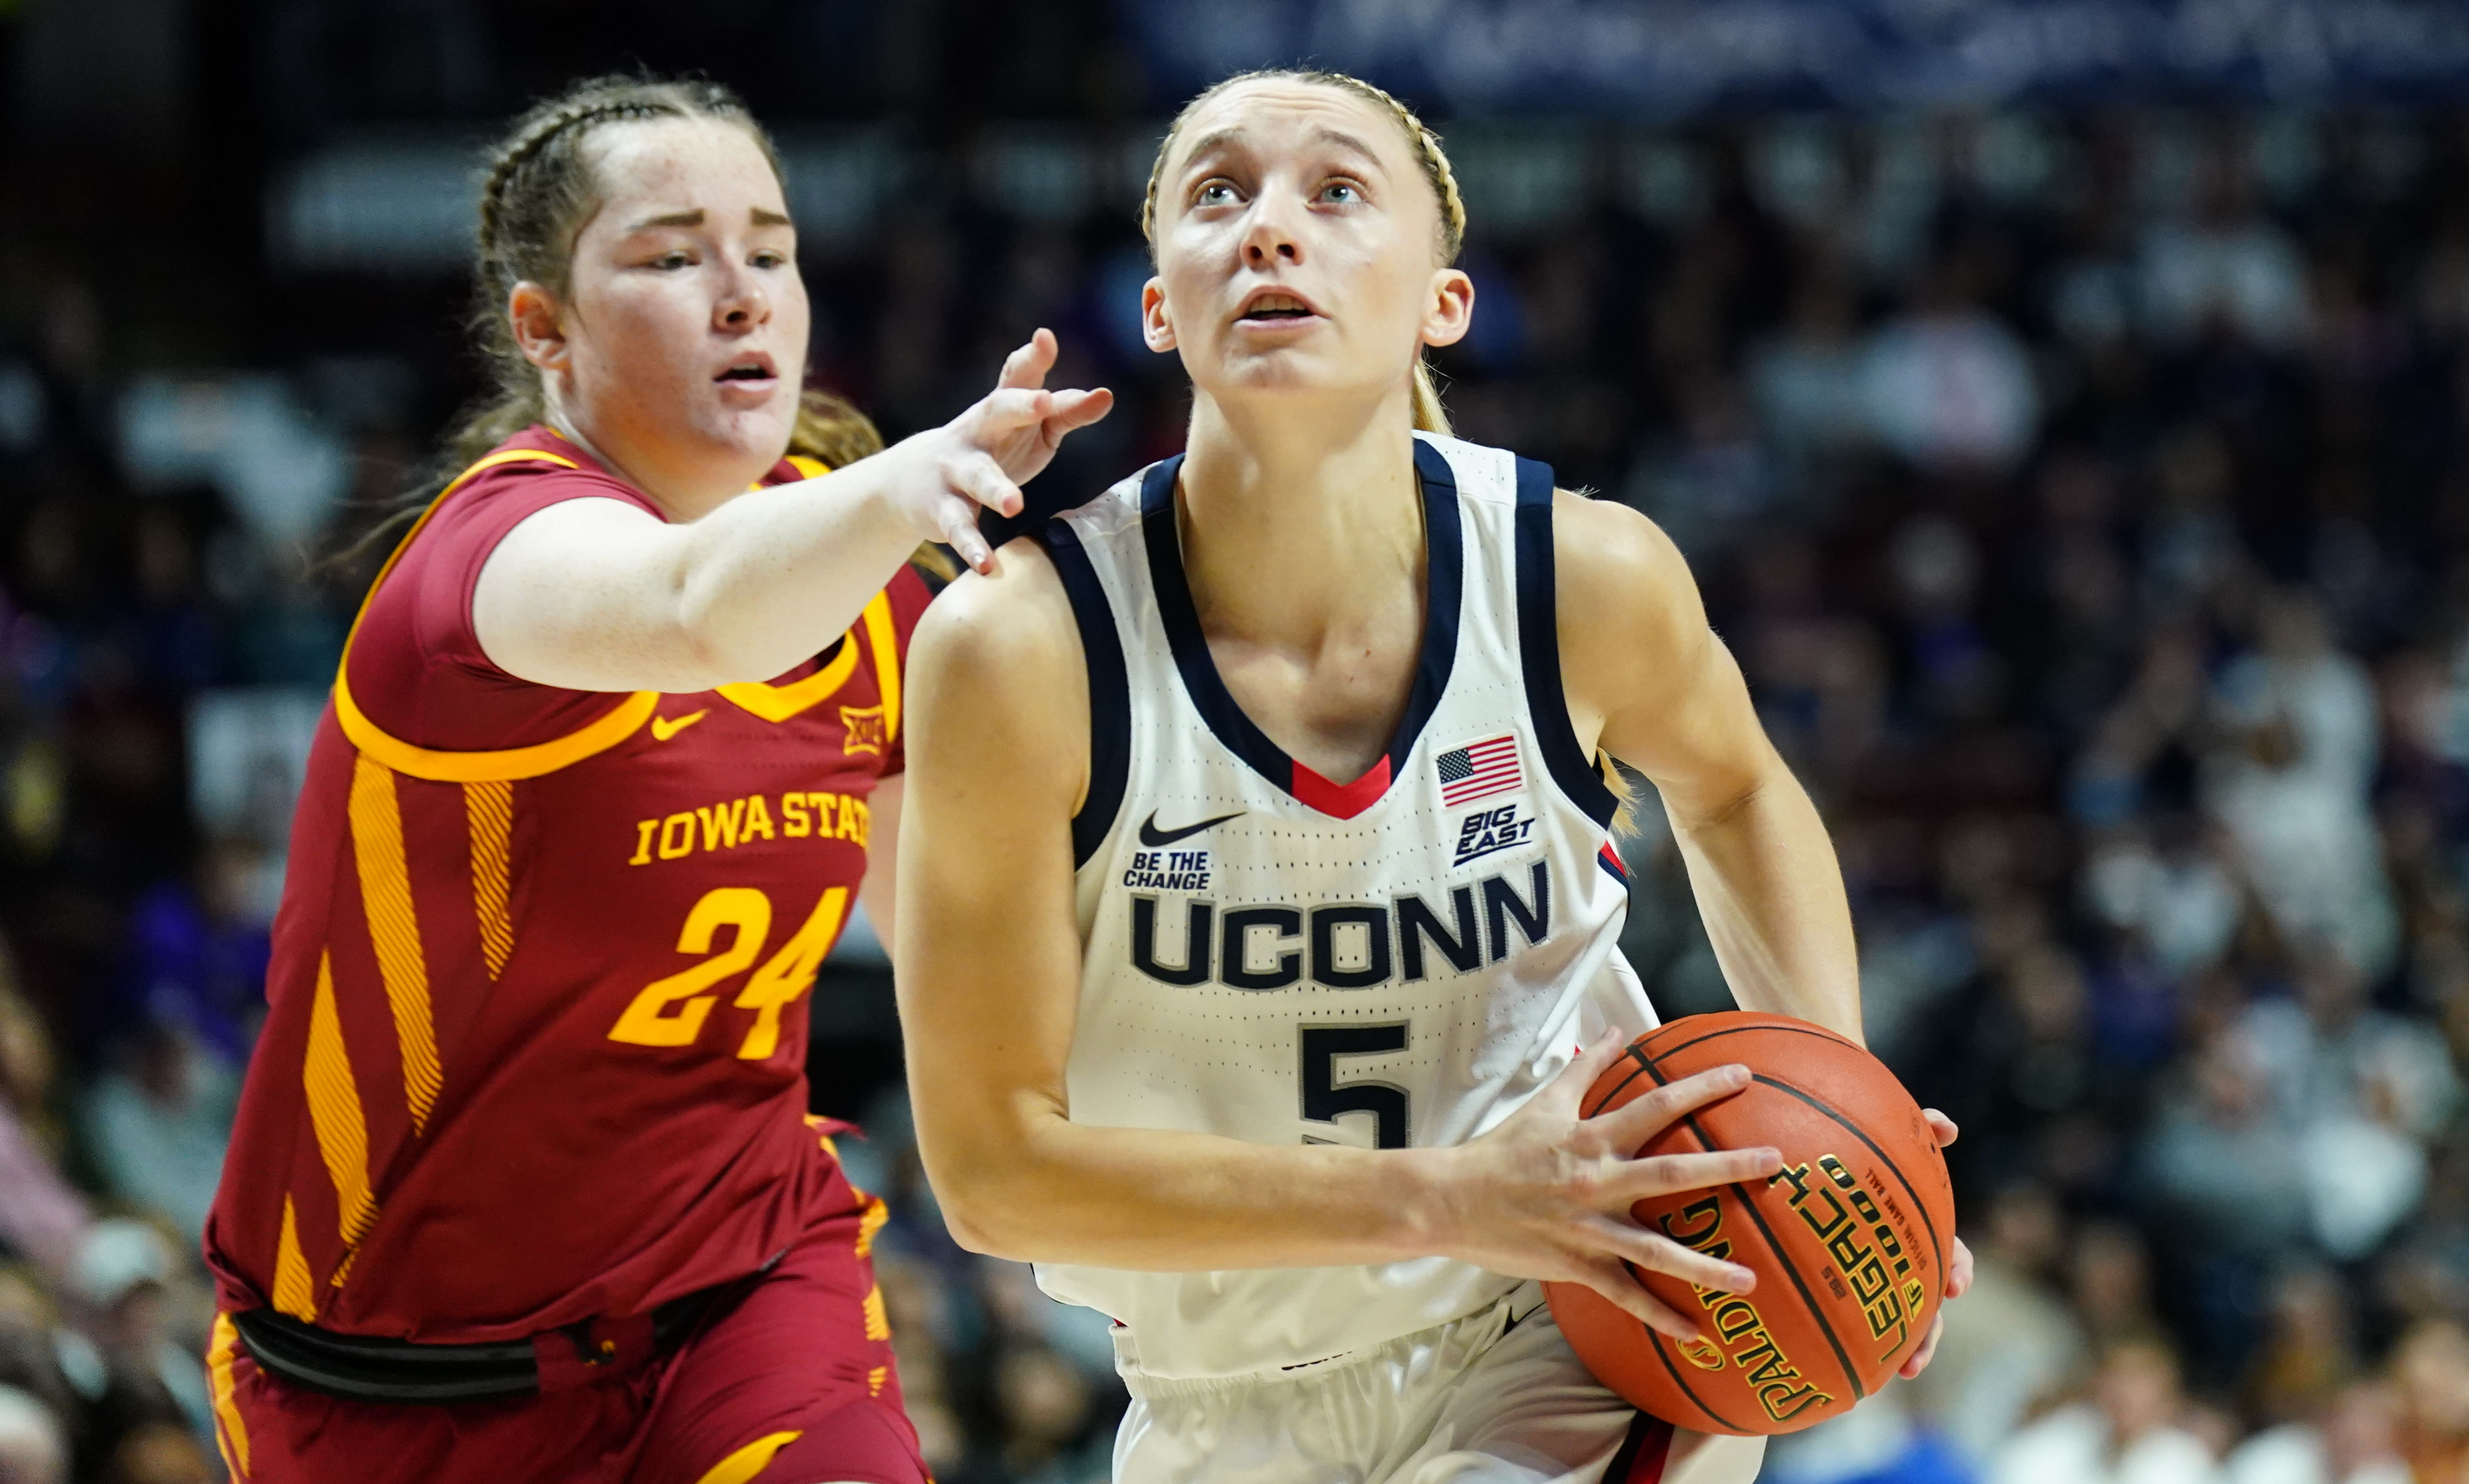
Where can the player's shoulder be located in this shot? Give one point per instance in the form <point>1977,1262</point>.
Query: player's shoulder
<point>1629,612</point>
<point>1010,627</point>
<point>1607,557</point>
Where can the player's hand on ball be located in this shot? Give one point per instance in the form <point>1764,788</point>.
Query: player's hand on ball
<point>1958,1272</point>
<point>982,457</point>
<point>1547,1194</point>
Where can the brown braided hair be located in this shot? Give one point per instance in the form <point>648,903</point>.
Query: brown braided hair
<point>537,194</point>
<point>1429,415</point>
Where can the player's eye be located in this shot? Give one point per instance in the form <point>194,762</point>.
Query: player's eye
<point>672,261</point>
<point>1216,192</point>
<point>769,259</point>
<point>1341,192</point>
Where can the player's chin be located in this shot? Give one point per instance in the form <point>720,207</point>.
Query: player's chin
<point>1279,370</point>
<point>750,432</point>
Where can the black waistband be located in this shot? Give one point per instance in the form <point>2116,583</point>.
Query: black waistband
<point>369,1368</point>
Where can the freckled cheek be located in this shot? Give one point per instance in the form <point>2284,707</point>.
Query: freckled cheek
<point>651,338</point>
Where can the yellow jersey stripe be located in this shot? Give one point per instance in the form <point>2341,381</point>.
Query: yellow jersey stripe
<point>885,635</point>
<point>385,895</point>
<point>878,1322</point>
<point>334,1110</point>
<point>507,764</point>
<point>230,1431</point>
<point>296,1292</point>
<point>779,703</point>
<point>869,1223</point>
<point>491,809</point>
<point>749,1461</point>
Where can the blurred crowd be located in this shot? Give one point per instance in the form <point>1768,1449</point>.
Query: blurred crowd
<point>2085,498</point>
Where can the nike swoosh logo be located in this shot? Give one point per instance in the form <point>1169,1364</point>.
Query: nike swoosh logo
<point>664,727</point>
<point>1153,837</point>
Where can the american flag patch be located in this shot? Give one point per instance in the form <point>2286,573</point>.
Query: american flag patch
<point>1480,770</point>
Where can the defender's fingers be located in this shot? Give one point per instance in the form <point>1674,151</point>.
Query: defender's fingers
<point>1006,411</point>
<point>1611,1279</point>
<point>1669,1174</point>
<point>1940,1127</point>
<point>1076,409</point>
<point>982,479</point>
<point>957,519</point>
<point>1630,1126</point>
<point>1644,1249</point>
<point>1027,365</point>
<point>1958,1273</point>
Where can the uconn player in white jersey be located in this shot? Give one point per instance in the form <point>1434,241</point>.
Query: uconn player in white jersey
<point>1257,899</point>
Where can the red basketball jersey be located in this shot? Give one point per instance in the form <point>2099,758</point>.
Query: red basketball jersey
<point>538,1002</point>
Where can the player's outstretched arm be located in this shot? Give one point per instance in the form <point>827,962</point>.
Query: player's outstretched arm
<point>1646,676</point>
<point>988,960</point>
<point>597,594</point>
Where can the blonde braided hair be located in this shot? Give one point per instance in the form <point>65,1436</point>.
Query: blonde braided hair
<point>1430,416</point>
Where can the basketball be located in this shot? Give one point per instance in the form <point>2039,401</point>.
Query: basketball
<point>1850,1241</point>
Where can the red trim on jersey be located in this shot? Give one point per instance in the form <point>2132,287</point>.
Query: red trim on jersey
<point>1643,1453</point>
<point>1341,801</point>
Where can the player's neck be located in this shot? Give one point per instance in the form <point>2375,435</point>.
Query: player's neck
<point>682,497</point>
<point>1296,525</point>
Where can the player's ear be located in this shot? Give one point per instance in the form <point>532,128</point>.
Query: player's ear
<point>1157,326</point>
<point>540,329</point>
<point>1450,312</point>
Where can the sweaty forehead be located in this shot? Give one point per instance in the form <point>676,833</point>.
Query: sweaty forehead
<point>1275,113</point>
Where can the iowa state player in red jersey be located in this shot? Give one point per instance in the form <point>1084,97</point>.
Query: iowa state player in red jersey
<point>523,1187</point>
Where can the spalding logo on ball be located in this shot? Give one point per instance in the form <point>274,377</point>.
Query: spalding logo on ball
<point>1850,1241</point>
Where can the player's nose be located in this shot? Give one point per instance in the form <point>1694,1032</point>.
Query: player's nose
<point>1271,235</point>
<point>742,302</point>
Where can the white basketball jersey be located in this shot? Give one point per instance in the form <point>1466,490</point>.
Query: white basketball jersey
<point>1273,956</point>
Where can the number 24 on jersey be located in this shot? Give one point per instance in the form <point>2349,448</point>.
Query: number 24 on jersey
<point>671,1012</point>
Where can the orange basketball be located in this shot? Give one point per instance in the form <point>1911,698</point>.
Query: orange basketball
<point>1849,1242</point>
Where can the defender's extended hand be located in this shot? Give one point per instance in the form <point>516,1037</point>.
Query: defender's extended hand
<point>983,456</point>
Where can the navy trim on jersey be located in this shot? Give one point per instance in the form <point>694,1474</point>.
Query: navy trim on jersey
<point>1538,642</point>
<point>1109,691</point>
<point>1444,587</point>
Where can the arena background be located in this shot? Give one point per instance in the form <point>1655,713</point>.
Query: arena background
<point>2064,406</point>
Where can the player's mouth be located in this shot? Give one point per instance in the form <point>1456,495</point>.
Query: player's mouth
<point>751,374</point>
<point>1274,309</point>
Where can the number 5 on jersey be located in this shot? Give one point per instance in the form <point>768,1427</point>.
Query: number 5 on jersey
<point>671,1012</point>
<point>1325,1097</point>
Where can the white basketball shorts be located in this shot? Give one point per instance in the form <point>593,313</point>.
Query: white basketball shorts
<point>1496,1398</point>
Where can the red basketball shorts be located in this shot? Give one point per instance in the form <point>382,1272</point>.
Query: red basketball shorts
<point>792,1384</point>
